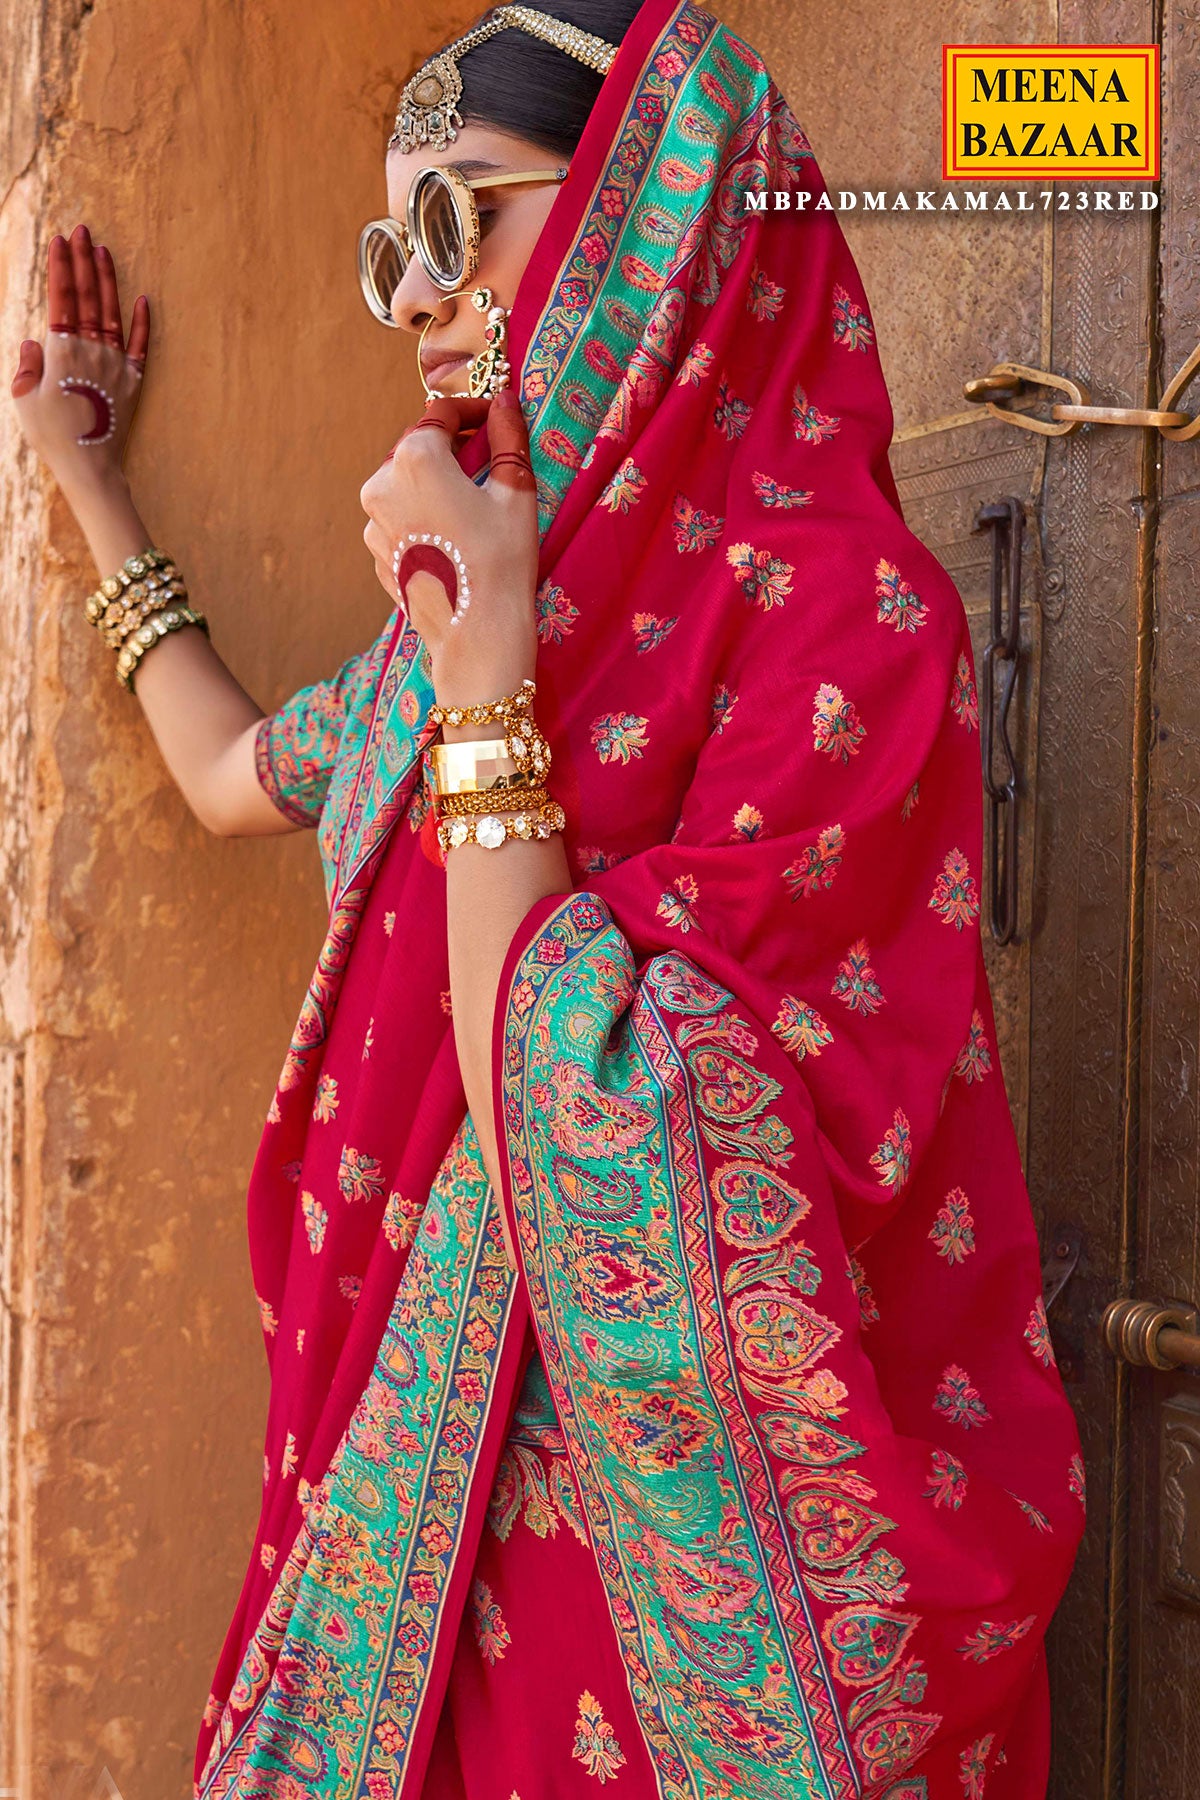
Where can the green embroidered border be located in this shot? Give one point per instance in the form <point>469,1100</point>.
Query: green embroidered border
<point>347,1692</point>
<point>723,1705</point>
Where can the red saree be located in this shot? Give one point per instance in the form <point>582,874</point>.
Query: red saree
<point>777,1254</point>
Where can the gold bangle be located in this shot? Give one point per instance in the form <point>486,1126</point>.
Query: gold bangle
<point>123,617</point>
<point>487,710</point>
<point>134,568</point>
<point>171,618</point>
<point>493,829</point>
<point>484,800</point>
<point>478,763</point>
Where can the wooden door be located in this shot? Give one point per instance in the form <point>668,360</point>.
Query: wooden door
<point>1098,988</point>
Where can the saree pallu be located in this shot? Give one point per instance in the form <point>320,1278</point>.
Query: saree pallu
<point>776,1250</point>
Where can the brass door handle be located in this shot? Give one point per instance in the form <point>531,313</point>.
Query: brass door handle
<point>1153,1334</point>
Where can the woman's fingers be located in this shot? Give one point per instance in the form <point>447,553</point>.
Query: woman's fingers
<point>87,286</point>
<point>29,369</point>
<point>60,286</point>
<point>460,412</point>
<point>139,331</point>
<point>110,299</point>
<point>508,441</point>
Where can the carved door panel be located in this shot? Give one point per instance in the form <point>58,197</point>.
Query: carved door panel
<point>1098,989</point>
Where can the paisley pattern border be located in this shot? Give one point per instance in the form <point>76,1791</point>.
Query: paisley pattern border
<point>614,1217</point>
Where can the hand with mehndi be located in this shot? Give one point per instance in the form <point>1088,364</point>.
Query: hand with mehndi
<point>76,390</point>
<point>488,646</point>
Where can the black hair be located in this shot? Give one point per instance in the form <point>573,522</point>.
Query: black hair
<point>517,83</point>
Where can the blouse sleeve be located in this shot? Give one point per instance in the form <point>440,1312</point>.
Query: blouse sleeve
<point>296,747</point>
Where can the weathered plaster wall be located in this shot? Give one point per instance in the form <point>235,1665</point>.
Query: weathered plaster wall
<point>150,975</point>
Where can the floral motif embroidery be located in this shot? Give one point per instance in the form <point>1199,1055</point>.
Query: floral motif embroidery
<point>868,1310</point>
<point>1077,1479</point>
<point>837,728</point>
<point>810,424</point>
<point>851,326</point>
<point>487,1622</point>
<point>775,493</point>
<point>369,1039</point>
<point>954,894</point>
<point>273,1113</point>
<point>972,1766</point>
<point>325,1101</point>
<point>389,923</point>
<point>958,1401</point>
<point>893,1157</point>
<point>1034,1514</point>
<point>266,1313</point>
<point>964,701</point>
<point>953,1231</point>
<point>765,580</point>
<point>974,1060</point>
<point>537,1490</point>
<point>730,415</point>
<point>855,983</point>
<point>289,1460</point>
<point>596,1746</point>
<point>899,603</point>
<point>947,1481</point>
<point>747,823</point>
<point>693,527</point>
<point>590,859</point>
<point>266,1556</point>
<point>723,702</point>
<point>765,296</point>
<point>350,1287</point>
<point>910,800</point>
<point>991,1638</point>
<point>1037,1333</point>
<point>677,905</point>
<point>816,866</point>
<point>556,615</point>
<point>800,1028</point>
<point>360,1177</point>
<point>624,488</point>
<point>649,630</point>
<point>695,365</point>
<point>315,1220</point>
<point>619,737</point>
<point>400,1220</point>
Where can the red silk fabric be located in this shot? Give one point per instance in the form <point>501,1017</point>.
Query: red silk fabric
<point>759,690</point>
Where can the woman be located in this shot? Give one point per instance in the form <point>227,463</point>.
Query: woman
<point>661,1390</point>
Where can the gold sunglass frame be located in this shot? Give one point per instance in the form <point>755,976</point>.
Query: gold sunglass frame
<point>408,239</point>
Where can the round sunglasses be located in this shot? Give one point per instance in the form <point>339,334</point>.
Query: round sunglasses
<point>441,229</point>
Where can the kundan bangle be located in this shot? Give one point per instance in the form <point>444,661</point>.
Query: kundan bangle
<point>170,618</point>
<point>146,563</point>
<point>493,829</point>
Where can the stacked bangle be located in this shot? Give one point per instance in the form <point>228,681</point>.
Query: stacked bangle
<point>512,803</point>
<point>138,606</point>
<point>157,626</point>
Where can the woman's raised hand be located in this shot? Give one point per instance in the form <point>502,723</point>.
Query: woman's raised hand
<point>77,390</point>
<point>421,492</point>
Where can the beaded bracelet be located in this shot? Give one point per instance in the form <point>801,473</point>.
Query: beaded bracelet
<point>493,829</point>
<point>157,626</point>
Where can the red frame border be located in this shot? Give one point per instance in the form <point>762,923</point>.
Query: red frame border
<point>1152,52</point>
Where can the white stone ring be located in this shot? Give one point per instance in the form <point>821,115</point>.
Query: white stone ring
<point>462,598</point>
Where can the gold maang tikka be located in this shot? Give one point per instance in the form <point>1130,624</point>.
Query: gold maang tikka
<point>428,116</point>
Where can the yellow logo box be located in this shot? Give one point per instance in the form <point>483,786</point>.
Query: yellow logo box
<point>1062,111</point>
